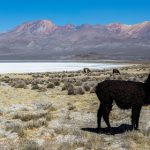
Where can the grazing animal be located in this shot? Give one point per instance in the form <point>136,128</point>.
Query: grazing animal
<point>126,94</point>
<point>86,70</point>
<point>116,71</point>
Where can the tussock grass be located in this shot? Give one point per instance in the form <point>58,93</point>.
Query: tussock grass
<point>26,116</point>
<point>138,138</point>
<point>29,144</point>
<point>15,126</point>
<point>36,123</point>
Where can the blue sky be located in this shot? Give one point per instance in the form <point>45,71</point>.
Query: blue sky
<point>15,12</point>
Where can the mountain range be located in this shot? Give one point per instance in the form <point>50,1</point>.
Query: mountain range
<point>43,40</point>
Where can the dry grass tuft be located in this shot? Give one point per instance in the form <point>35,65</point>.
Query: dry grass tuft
<point>29,144</point>
<point>26,116</point>
<point>36,123</point>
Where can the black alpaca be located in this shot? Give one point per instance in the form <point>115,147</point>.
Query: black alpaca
<point>126,94</point>
<point>116,71</point>
<point>86,70</point>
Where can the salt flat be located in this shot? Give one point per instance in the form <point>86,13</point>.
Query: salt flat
<point>26,67</point>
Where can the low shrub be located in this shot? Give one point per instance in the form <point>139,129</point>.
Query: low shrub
<point>80,91</point>
<point>29,144</point>
<point>36,123</point>
<point>86,87</point>
<point>15,126</point>
<point>26,116</point>
<point>71,91</point>
<point>56,83</point>
<point>34,86</point>
<point>78,83</point>
<point>42,89</point>
<point>20,84</point>
<point>50,85</point>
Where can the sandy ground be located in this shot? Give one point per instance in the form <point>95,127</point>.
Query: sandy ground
<point>50,119</point>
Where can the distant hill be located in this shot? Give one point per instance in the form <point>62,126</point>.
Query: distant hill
<point>43,40</point>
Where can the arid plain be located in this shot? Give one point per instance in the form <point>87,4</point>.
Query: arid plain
<point>57,111</point>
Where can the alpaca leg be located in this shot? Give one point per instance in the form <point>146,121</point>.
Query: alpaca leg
<point>138,110</point>
<point>135,116</point>
<point>99,116</point>
<point>106,111</point>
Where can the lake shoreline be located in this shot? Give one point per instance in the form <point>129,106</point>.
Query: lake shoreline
<point>37,67</point>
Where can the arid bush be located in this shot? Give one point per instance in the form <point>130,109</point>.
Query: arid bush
<point>79,91</point>
<point>85,79</point>
<point>86,87</point>
<point>56,83</point>
<point>69,81</point>
<point>36,123</point>
<point>78,83</point>
<point>27,81</point>
<point>15,126</point>
<point>49,116</point>
<point>63,88</point>
<point>71,91</point>
<point>29,144</point>
<point>50,85</point>
<point>45,106</point>
<point>137,137</point>
<point>76,74</point>
<point>67,85</point>
<point>26,116</point>
<point>71,75</point>
<point>34,86</point>
<point>35,75</point>
<point>37,81</point>
<point>20,84</point>
<point>42,89</point>
<point>6,79</point>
